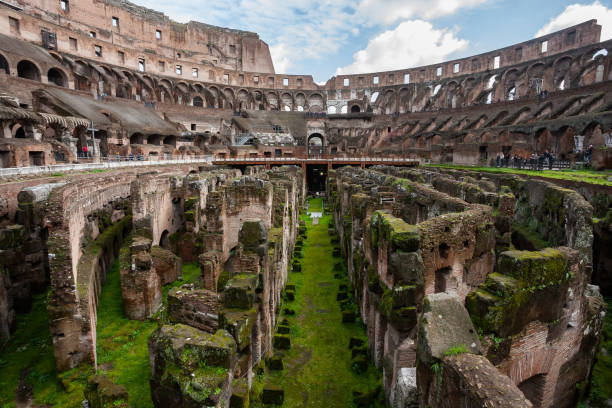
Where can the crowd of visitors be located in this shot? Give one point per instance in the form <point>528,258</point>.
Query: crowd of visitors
<point>535,161</point>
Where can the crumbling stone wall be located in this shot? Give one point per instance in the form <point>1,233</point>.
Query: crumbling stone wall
<point>83,241</point>
<point>404,240</point>
<point>242,299</point>
<point>545,321</point>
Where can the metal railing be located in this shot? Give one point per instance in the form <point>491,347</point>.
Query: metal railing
<point>317,158</point>
<point>110,162</point>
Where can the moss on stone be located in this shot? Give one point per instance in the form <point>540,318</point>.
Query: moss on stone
<point>400,235</point>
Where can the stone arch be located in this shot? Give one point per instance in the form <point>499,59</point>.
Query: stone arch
<point>4,65</point>
<point>29,70</point>
<point>258,100</point>
<point>137,138</point>
<point>300,100</point>
<point>155,140</point>
<point>148,81</point>
<point>123,90</point>
<point>273,101</point>
<point>533,388</point>
<point>217,96</point>
<point>388,102</point>
<point>164,240</point>
<point>561,72</point>
<point>510,79</point>
<point>287,101</point>
<point>230,97</point>
<point>535,78</point>
<point>243,99</point>
<point>198,101</point>
<point>18,131</point>
<point>315,102</point>
<point>315,144</point>
<point>170,140</point>
<point>167,88</point>
<point>57,77</point>
<point>542,140</point>
<point>592,134</point>
<point>451,94</point>
<point>355,109</point>
<point>183,87</point>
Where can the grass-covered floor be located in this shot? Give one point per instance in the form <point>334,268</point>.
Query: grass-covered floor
<point>315,205</point>
<point>587,176</point>
<point>121,347</point>
<point>600,393</point>
<point>317,369</point>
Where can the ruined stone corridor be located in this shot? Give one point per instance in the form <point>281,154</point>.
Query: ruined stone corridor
<point>319,369</point>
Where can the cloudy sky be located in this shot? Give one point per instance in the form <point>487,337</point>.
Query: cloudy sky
<point>329,37</point>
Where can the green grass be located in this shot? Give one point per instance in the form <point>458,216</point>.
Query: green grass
<point>29,353</point>
<point>601,380</point>
<point>122,349</point>
<point>317,369</point>
<point>315,205</point>
<point>587,176</point>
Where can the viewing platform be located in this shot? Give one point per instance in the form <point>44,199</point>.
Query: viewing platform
<point>329,160</point>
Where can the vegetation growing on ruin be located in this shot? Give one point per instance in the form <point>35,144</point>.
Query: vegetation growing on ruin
<point>601,381</point>
<point>587,176</point>
<point>122,348</point>
<point>317,368</point>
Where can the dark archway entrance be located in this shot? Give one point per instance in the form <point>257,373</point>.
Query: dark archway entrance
<point>355,109</point>
<point>316,177</point>
<point>164,241</point>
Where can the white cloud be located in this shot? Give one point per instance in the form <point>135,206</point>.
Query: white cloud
<point>280,58</point>
<point>390,11</point>
<point>579,13</point>
<point>411,43</point>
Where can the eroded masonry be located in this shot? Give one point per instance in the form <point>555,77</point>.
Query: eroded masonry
<point>181,226</point>
<point>474,289</point>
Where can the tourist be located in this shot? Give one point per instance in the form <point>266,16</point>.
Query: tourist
<point>588,154</point>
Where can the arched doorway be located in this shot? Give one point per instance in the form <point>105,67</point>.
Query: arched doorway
<point>164,241</point>
<point>57,77</point>
<point>27,69</point>
<point>355,109</point>
<point>18,131</point>
<point>136,138</point>
<point>315,144</point>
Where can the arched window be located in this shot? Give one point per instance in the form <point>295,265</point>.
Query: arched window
<point>197,101</point>
<point>331,110</point>
<point>26,69</point>
<point>57,77</point>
